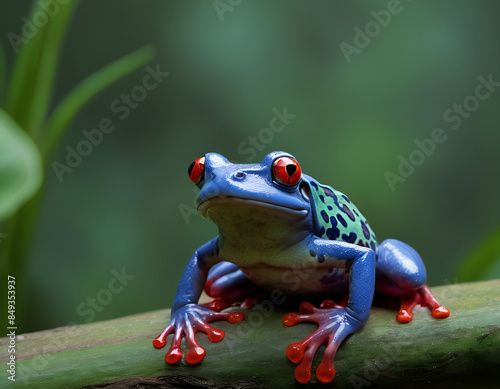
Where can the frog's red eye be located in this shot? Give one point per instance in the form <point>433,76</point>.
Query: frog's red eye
<point>196,170</point>
<point>286,171</point>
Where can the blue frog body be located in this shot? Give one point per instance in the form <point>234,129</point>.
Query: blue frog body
<point>280,229</point>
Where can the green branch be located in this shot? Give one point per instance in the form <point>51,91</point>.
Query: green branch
<point>460,351</point>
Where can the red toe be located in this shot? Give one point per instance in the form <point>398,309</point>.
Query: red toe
<point>195,355</point>
<point>404,316</point>
<point>302,374</point>
<point>294,352</point>
<point>440,313</point>
<point>306,307</point>
<point>290,319</point>
<point>216,335</point>
<point>173,356</point>
<point>235,317</point>
<point>325,372</point>
<point>158,342</point>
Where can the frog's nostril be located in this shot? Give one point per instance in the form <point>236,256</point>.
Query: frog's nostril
<point>239,175</point>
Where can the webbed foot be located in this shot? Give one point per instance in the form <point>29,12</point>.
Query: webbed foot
<point>424,297</point>
<point>187,321</point>
<point>335,324</point>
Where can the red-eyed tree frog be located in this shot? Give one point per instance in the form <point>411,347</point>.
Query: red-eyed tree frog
<point>275,223</point>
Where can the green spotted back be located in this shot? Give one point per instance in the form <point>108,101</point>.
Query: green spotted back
<point>338,218</point>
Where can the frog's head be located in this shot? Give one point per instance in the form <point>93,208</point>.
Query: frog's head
<point>274,186</point>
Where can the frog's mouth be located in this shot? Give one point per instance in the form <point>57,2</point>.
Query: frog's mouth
<point>237,205</point>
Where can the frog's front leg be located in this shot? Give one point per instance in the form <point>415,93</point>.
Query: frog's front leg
<point>335,324</point>
<point>189,318</point>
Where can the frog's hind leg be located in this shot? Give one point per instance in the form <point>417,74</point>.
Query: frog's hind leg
<point>227,284</point>
<point>401,272</point>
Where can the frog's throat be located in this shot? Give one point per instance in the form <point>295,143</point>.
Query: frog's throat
<point>280,211</point>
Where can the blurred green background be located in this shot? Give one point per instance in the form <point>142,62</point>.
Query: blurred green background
<point>120,209</point>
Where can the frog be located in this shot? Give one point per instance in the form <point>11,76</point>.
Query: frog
<point>281,230</point>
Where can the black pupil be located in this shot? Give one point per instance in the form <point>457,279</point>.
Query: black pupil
<point>290,169</point>
<point>190,169</point>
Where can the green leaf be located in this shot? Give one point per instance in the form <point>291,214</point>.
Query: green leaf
<point>20,166</point>
<point>89,87</point>
<point>35,67</point>
<point>481,259</point>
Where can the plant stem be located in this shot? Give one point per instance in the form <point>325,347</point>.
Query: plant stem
<point>460,351</point>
